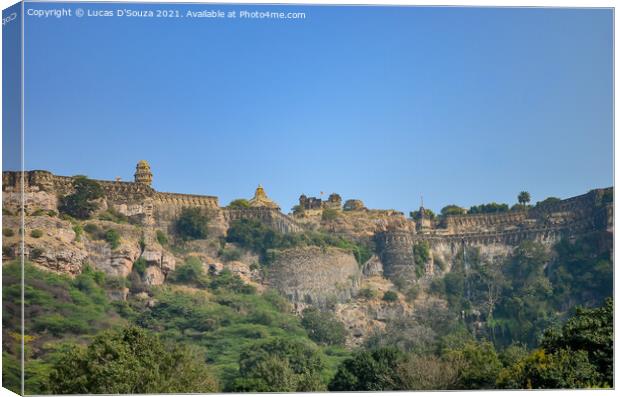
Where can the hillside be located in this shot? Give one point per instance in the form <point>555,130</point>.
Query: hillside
<point>251,290</point>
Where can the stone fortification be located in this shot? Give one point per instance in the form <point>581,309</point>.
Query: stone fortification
<point>314,275</point>
<point>394,235</point>
<point>498,232</point>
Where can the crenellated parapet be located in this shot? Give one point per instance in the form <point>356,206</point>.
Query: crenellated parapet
<point>461,223</point>
<point>189,200</point>
<point>42,188</point>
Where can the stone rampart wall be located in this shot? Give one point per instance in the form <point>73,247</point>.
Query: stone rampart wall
<point>314,275</point>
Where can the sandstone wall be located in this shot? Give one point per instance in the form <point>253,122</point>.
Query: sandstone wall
<point>316,276</point>
<point>396,252</point>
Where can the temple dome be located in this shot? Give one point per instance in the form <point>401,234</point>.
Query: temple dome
<point>260,199</point>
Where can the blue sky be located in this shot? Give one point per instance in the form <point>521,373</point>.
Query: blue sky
<point>461,105</point>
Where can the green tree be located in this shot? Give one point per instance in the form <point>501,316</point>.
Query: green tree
<point>453,209</point>
<point>590,331</point>
<point>489,208</point>
<point>478,365</point>
<point>130,361</point>
<point>279,365</point>
<point>369,371</point>
<point>548,201</point>
<point>329,214</point>
<point>190,272</point>
<point>239,204</point>
<point>563,369</point>
<point>192,224</point>
<point>81,203</point>
<point>581,274</point>
<point>323,327</point>
<point>523,198</point>
<point>524,311</point>
<point>390,296</point>
<point>429,214</point>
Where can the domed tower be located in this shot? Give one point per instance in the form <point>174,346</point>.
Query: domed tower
<point>261,200</point>
<point>143,173</point>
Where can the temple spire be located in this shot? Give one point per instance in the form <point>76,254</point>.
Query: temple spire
<point>260,199</point>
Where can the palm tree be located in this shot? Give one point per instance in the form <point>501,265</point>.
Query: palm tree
<point>524,198</point>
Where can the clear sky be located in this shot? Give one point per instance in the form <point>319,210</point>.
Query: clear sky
<point>461,105</point>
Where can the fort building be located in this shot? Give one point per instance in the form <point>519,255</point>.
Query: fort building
<point>142,204</point>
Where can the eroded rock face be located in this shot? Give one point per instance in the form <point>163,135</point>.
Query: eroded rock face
<point>153,276</point>
<point>315,276</point>
<point>373,267</point>
<point>64,259</point>
<point>49,242</point>
<point>117,262</point>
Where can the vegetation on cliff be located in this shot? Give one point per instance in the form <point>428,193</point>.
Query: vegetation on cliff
<point>489,322</point>
<point>81,204</point>
<point>192,224</point>
<point>579,355</point>
<point>260,238</point>
<point>130,361</point>
<point>213,320</point>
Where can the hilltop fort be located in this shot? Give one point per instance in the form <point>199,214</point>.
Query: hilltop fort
<point>305,275</point>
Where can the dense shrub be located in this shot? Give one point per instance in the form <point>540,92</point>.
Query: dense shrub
<point>479,365</point>
<point>228,281</point>
<point>390,296</point>
<point>329,214</point>
<point>78,230</point>
<point>81,203</point>
<point>162,239</point>
<point>7,232</point>
<point>231,254</point>
<point>239,204</point>
<point>35,253</point>
<point>281,365</point>
<point>548,201</point>
<point>139,266</point>
<point>258,237</point>
<point>367,293</point>
<point>113,238</point>
<point>488,208</point>
<point>191,272</point>
<point>113,215</point>
<point>323,327</point>
<point>36,233</point>
<point>452,209</point>
<point>141,364</point>
<point>94,230</point>
<point>368,371</point>
<point>192,224</point>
